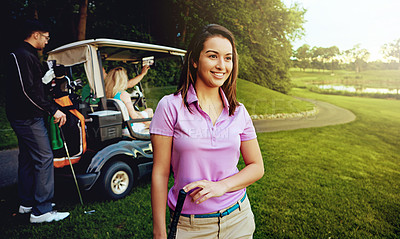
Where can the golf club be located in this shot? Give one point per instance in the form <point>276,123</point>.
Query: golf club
<point>177,213</point>
<point>73,171</point>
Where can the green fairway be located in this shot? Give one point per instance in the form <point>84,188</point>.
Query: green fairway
<point>333,182</point>
<point>370,78</point>
<point>339,181</point>
<point>262,101</point>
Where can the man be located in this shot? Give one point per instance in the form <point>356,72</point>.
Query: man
<point>26,107</point>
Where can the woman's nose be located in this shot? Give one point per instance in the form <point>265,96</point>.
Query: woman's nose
<point>220,64</point>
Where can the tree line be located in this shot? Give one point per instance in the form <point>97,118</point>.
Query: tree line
<point>264,29</point>
<point>356,58</point>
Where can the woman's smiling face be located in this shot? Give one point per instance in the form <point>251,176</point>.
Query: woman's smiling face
<point>215,62</point>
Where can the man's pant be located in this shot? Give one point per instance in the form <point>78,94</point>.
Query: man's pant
<point>35,165</point>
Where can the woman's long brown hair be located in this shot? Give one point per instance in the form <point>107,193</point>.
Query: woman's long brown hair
<point>189,73</point>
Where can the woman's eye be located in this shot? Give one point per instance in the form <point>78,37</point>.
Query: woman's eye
<point>229,58</point>
<point>213,56</point>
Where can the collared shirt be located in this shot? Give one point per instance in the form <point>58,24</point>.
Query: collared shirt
<point>201,150</point>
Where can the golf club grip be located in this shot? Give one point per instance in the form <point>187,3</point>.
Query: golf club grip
<point>177,213</point>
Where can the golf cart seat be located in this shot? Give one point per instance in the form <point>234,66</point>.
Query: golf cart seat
<point>129,126</point>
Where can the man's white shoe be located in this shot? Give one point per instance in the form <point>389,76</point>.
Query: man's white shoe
<point>24,210</point>
<point>49,217</point>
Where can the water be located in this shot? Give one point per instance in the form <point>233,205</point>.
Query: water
<point>355,89</point>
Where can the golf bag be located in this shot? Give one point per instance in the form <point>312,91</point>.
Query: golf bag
<point>74,133</point>
<point>61,90</point>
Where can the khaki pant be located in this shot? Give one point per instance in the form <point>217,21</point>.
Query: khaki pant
<point>238,224</point>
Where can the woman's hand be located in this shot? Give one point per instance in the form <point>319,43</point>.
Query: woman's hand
<point>145,68</point>
<point>254,170</point>
<point>204,190</point>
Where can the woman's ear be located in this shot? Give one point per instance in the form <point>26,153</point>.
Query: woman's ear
<point>194,64</point>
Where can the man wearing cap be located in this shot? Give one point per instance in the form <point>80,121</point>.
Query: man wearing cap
<point>26,107</point>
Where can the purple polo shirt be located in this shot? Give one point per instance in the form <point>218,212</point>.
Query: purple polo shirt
<point>201,150</point>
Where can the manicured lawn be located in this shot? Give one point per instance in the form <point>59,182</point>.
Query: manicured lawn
<point>338,181</point>
<point>261,101</point>
<point>370,78</point>
<point>333,182</point>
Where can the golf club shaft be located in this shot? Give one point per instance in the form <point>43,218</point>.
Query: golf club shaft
<point>72,168</point>
<point>177,213</point>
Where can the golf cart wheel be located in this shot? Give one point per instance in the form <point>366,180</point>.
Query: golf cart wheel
<point>116,180</point>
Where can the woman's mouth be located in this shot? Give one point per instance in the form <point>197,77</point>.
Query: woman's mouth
<point>218,74</point>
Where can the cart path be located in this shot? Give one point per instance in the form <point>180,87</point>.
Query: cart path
<point>328,114</point>
<point>8,167</point>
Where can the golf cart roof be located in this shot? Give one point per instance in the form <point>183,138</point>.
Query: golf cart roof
<point>91,52</point>
<point>120,50</point>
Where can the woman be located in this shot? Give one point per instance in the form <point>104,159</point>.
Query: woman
<point>116,83</point>
<point>200,131</point>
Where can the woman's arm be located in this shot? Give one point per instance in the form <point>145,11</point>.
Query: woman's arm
<point>134,81</point>
<point>253,171</point>
<point>125,97</point>
<point>162,146</point>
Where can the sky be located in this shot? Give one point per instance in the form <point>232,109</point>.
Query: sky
<point>345,23</point>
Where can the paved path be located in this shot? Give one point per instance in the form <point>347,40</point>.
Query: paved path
<point>328,114</point>
<point>8,167</point>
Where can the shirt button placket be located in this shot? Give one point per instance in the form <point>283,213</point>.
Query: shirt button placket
<point>213,138</point>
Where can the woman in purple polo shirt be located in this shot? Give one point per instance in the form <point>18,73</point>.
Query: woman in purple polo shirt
<point>199,132</point>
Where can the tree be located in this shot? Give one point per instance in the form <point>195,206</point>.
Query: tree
<point>317,58</point>
<point>329,54</point>
<point>83,7</point>
<point>392,50</point>
<point>263,29</point>
<point>303,56</point>
<point>358,56</point>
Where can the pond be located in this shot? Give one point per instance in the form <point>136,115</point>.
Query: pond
<point>358,89</point>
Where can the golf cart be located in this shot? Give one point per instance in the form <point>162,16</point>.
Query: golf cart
<point>105,151</point>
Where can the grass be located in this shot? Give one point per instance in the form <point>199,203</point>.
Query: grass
<point>261,101</point>
<point>338,181</point>
<point>371,78</point>
<point>333,182</point>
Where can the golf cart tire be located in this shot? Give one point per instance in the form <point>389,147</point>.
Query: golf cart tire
<point>116,180</point>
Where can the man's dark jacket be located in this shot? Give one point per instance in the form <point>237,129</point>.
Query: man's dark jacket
<point>25,96</point>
